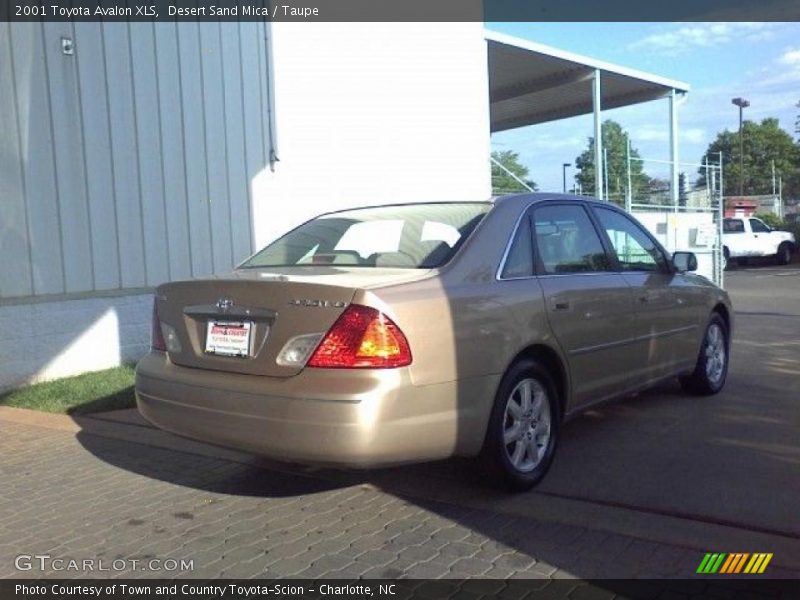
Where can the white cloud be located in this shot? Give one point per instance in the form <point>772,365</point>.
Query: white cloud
<point>559,142</point>
<point>693,135</point>
<point>703,35</point>
<point>791,58</point>
<point>785,70</point>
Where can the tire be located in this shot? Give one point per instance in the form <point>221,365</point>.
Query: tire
<point>784,255</point>
<point>711,370</point>
<point>727,263</point>
<point>521,463</point>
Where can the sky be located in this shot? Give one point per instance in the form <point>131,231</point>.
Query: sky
<point>720,61</point>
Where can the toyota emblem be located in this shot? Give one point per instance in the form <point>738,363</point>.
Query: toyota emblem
<point>224,303</point>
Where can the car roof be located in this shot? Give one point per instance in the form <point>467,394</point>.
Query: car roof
<point>535,197</point>
<point>507,201</point>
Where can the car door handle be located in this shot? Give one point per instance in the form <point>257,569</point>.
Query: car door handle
<point>559,303</point>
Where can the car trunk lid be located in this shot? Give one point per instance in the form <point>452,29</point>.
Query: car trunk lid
<point>279,304</point>
<point>274,311</point>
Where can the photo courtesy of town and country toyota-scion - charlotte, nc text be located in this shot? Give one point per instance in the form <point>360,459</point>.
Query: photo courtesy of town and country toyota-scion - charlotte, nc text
<point>152,11</point>
<point>239,592</point>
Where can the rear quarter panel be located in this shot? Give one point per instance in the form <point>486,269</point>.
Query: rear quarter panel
<point>465,326</point>
<point>463,330</point>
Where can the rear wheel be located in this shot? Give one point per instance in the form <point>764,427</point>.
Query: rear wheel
<point>523,428</point>
<point>784,255</point>
<point>711,369</point>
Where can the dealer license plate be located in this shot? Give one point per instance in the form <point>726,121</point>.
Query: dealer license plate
<point>228,338</point>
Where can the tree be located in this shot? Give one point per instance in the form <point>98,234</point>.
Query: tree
<point>502,182</point>
<point>770,219</point>
<point>797,124</point>
<point>615,142</point>
<point>764,142</point>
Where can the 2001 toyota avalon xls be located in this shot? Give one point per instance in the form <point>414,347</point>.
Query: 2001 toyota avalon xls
<point>404,333</point>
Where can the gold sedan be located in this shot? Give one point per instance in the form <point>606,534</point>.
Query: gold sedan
<point>406,333</point>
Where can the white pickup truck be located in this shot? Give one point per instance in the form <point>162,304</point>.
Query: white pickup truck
<point>745,237</point>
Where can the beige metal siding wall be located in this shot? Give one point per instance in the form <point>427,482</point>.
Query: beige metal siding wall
<point>130,162</point>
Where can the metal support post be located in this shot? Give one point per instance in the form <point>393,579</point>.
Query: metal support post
<point>629,190</point>
<point>598,135</point>
<point>721,282</point>
<point>673,147</point>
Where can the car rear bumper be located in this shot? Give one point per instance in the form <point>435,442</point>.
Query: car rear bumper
<point>354,418</point>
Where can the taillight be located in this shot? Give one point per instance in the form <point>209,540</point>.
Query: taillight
<point>156,337</point>
<point>362,337</point>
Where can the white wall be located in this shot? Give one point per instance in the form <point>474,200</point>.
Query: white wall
<point>47,340</point>
<point>373,113</point>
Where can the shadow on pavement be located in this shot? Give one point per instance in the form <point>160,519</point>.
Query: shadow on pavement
<point>200,472</point>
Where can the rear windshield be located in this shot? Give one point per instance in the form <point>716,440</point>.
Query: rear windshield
<point>420,236</point>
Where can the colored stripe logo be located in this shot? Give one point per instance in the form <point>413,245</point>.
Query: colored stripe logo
<point>734,563</point>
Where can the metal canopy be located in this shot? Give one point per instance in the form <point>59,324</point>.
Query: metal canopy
<point>531,83</point>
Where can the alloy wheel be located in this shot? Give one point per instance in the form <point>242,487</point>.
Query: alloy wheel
<point>716,353</point>
<point>527,425</point>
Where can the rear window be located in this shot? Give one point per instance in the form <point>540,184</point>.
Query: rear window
<point>420,236</point>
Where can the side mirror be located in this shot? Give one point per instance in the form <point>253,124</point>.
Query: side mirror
<point>684,261</point>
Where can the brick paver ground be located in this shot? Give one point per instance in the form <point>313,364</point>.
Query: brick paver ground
<point>91,497</point>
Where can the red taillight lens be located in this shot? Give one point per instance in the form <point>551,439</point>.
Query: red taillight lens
<point>156,337</point>
<point>362,338</point>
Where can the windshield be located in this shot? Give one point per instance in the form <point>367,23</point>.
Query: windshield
<point>419,236</point>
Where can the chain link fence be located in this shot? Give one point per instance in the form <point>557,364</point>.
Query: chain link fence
<point>689,220</point>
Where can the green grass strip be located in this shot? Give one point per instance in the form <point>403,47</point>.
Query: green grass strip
<point>111,389</point>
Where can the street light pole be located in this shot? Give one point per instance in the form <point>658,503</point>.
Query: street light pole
<point>564,175</point>
<point>742,104</point>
